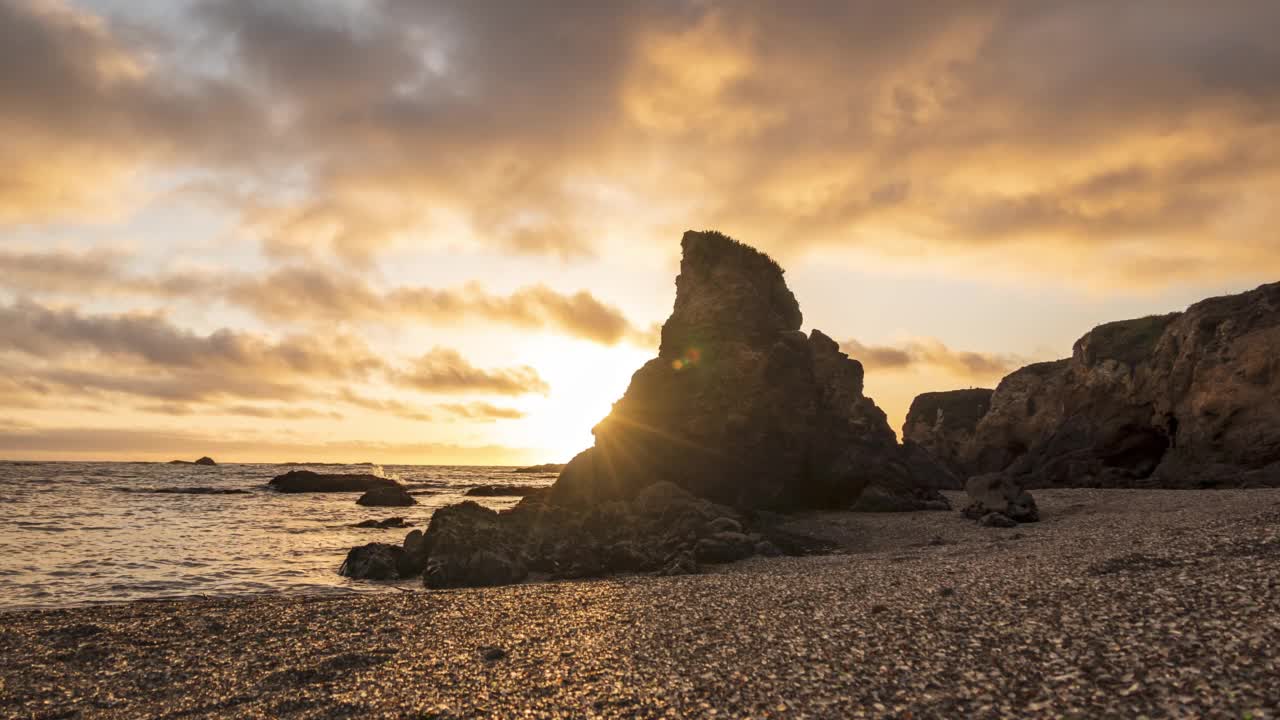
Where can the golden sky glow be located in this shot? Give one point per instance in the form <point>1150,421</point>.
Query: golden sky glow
<point>442,232</point>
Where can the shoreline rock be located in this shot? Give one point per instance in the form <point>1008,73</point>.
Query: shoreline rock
<point>393,496</point>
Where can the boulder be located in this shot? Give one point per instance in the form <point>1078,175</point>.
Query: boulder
<point>740,407</point>
<point>392,496</point>
<point>375,561</point>
<point>998,493</point>
<point>465,546</point>
<point>303,481</point>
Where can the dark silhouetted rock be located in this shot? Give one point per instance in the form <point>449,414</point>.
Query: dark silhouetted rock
<point>466,545</point>
<point>544,468</point>
<point>998,493</point>
<point>189,491</point>
<point>202,461</point>
<point>375,561</point>
<point>504,491</point>
<point>394,522</point>
<point>394,496</point>
<point>742,408</point>
<point>302,481</point>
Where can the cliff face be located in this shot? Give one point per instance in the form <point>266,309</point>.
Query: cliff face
<point>943,423</point>
<point>741,407</point>
<point>1182,400</point>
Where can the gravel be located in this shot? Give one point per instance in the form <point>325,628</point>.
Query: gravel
<point>1120,603</point>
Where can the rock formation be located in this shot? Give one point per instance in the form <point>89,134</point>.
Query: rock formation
<point>389,496</point>
<point>202,461</point>
<point>1184,400</point>
<point>740,414</point>
<point>302,481</point>
<point>545,468</point>
<point>742,408</point>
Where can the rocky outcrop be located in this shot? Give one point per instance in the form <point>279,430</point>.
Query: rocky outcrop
<point>306,481</point>
<point>391,496</point>
<point>384,561</point>
<point>742,408</point>
<point>662,530</point>
<point>1185,400</point>
<point>943,424</point>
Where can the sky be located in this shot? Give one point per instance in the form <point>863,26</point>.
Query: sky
<point>446,232</point>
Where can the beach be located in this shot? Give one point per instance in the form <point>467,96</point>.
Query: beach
<point>1128,603</point>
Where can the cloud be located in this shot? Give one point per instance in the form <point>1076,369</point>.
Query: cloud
<point>313,294</point>
<point>933,354</point>
<point>37,330</point>
<point>443,370</point>
<point>146,356</point>
<point>1089,142</point>
<point>293,293</point>
<point>86,111</point>
<point>482,411</point>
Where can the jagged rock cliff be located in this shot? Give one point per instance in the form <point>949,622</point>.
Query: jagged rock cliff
<point>742,408</point>
<point>1183,400</point>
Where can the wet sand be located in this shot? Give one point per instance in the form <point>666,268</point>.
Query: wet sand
<point>1120,603</point>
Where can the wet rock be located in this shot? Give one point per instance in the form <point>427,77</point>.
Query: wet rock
<point>394,522</point>
<point>394,496</point>
<point>997,493</point>
<point>504,490</point>
<point>301,481</point>
<point>467,546</point>
<point>375,561</point>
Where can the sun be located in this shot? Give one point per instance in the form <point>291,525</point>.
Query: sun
<point>585,380</point>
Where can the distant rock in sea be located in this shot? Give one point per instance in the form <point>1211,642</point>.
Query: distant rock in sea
<point>544,468</point>
<point>740,414</point>
<point>505,491</point>
<point>202,461</point>
<point>1185,400</point>
<point>300,481</point>
<point>391,496</point>
<point>393,522</point>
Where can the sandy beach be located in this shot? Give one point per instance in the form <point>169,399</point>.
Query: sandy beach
<point>1118,604</point>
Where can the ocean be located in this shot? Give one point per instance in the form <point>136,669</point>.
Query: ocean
<point>84,533</point>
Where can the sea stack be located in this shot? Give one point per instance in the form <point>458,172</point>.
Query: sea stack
<point>742,408</point>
